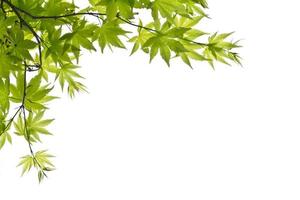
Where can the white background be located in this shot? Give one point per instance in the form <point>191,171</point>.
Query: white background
<point>148,132</point>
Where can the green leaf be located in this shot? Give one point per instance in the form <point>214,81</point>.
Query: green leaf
<point>41,176</point>
<point>185,59</point>
<point>36,125</point>
<point>43,158</point>
<point>167,9</point>
<point>111,9</point>
<point>4,95</point>
<point>177,32</point>
<point>27,162</point>
<point>165,54</point>
<point>2,140</point>
<point>109,35</point>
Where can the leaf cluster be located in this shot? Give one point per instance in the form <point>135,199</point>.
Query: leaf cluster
<point>41,42</point>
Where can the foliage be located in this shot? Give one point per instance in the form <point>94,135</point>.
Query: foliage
<point>41,43</point>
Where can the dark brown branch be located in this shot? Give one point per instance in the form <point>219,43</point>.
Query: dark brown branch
<point>138,26</point>
<point>22,104</point>
<point>11,121</point>
<point>22,21</point>
<point>96,14</point>
<point>2,8</point>
<point>157,32</point>
<point>27,133</point>
<point>64,16</point>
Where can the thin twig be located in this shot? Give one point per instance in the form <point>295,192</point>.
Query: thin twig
<point>11,121</point>
<point>54,16</point>
<point>157,32</point>
<point>2,8</point>
<point>27,133</point>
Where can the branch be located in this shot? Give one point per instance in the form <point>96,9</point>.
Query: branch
<point>96,14</point>
<point>2,8</point>
<point>27,133</point>
<point>138,26</point>
<point>20,107</point>
<point>18,10</point>
<point>10,121</point>
<point>62,16</point>
<point>22,21</point>
<point>156,31</point>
